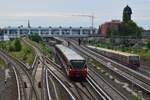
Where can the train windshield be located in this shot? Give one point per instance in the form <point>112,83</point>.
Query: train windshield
<point>77,63</point>
<point>134,58</point>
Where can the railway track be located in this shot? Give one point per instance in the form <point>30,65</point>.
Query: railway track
<point>29,82</point>
<point>26,79</point>
<point>38,70</point>
<point>103,95</point>
<point>41,70</point>
<point>44,91</point>
<point>99,91</point>
<point>132,76</point>
<point>84,93</point>
<point>22,95</point>
<point>83,90</point>
<point>145,80</point>
<point>47,85</point>
<point>20,84</point>
<point>60,78</point>
<point>33,73</point>
<point>143,70</point>
<point>114,93</point>
<point>107,89</point>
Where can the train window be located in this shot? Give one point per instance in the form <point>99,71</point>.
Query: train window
<point>69,65</point>
<point>77,63</point>
<point>134,58</point>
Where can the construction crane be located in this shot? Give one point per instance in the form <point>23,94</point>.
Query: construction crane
<point>89,16</point>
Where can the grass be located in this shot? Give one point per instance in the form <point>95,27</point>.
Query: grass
<point>39,42</point>
<point>136,98</point>
<point>142,51</point>
<point>26,54</point>
<point>42,46</point>
<point>2,64</point>
<point>46,50</point>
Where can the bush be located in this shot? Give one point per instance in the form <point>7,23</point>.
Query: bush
<point>130,28</point>
<point>12,45</point>
<point>11,48</point>
<point>148,44</point>
<point>35,37</point>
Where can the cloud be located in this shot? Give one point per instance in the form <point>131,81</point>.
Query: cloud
<point>142,18</point>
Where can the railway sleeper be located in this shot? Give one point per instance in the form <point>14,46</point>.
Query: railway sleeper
<point>39,84</point>
<point>25,85</point>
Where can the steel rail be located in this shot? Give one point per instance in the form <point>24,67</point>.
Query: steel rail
<point>94,56</point>
<point>29,77</point>
<point>35,54</point>
<point>18,85</point>
<point>47,85</point>
<point>99,76</point>
<point>147,88</point>
<point>17,75</point>
<point>76,86</point>
<point>34,62</point>
<point>98,89</point>
<point>123,66</point>
<point>67,90</point>
<point>25,70</point>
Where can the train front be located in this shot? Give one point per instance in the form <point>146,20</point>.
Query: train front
<point>134,61</point>
<point>78,69</point>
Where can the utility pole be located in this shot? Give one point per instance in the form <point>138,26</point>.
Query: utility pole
<point>29,24</point>
<point>92,17</point>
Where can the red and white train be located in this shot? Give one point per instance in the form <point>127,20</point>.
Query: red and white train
<point>130,60</point>
<point>75,65</point>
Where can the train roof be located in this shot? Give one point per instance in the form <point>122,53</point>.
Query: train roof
<point>113,51</point>
<point>69,53</point>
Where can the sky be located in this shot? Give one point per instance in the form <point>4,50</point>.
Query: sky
<point>67,13</point>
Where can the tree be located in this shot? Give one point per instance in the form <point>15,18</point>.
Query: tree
<point>130,28</point>
<point>112,31</point>
<point>148,44</point>
<point>17,45</point>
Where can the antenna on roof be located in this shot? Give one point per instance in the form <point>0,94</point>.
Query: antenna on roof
<point>29,24</point>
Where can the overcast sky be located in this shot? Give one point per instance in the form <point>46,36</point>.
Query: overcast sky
<point>65,12</point>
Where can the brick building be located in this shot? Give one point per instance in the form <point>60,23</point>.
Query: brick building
<point>107,25</point>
